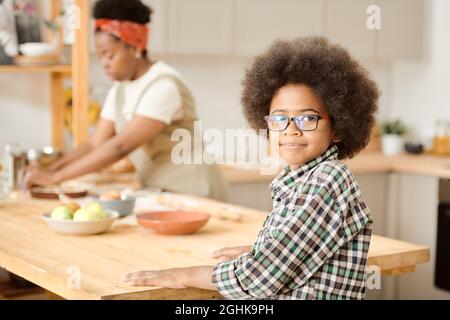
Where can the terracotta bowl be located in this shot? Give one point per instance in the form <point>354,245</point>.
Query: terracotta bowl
<point>173,222</point>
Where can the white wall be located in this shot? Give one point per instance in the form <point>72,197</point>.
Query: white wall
<point>421,89</point>
<point>215,82</point>
<point>416,91</point>
<point>24,109</point>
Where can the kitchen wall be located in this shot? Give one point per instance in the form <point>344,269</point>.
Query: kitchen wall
<point>420,89</point>
<point>415,91</point>
<point>24,109</point>
<point>214,80</point>
<point>217,86</point>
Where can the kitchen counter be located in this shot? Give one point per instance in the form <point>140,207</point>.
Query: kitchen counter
<point>31,250</point>
<point>367,162</point>
<point>374,162</point>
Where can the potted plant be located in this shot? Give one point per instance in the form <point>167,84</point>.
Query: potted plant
<point>392,137</point>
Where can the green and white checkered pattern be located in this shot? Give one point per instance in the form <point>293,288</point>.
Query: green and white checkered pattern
<point>314,243</point>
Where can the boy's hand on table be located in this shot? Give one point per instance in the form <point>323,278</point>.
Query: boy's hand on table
<point>176,278</point>
<point>230,253</point>
<point>168,278</point>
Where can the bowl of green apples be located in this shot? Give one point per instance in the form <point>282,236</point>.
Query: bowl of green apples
<point>73,219</point>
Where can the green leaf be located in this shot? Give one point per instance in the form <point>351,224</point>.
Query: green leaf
<point>51,25</point>
<point>393,127</point>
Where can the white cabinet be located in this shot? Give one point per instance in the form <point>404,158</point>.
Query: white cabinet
<point>248,27</point>
<point>254,195</point>
<point>158,30</point>
<point>200,26</point>
<point>373,188</point>
<point>346,24</point>
<point>402,28</point>
<point>417,223</point>
<point>259,22</point>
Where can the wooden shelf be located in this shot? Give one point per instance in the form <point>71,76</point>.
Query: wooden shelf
<point>60,68</point>
<point>78,71</point>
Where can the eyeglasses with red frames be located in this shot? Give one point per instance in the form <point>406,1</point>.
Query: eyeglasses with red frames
<point>280,122</point>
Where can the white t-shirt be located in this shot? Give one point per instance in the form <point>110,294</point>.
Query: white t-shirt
<point>161,101</point>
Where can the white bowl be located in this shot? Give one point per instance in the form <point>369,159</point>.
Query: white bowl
<point>81,227</point>
<point>36,49</point>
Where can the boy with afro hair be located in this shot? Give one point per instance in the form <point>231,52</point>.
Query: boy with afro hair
<point>318,105</point>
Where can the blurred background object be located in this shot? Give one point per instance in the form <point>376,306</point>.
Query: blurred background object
<point>43,157</point>
<point>414,147</point>
<point>442,138</point>
<point>8,34</point>
<point>374,144</point>
<point>27,14</point>
<point>15,164</point>
<point>93,111</point>
<point>392,137</point>
<point>124,165</point>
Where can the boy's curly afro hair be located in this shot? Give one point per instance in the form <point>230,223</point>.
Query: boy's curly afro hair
<point>131,10</point>
<point>341,83</point>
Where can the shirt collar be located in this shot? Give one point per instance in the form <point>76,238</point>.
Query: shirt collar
<point>288,177</point>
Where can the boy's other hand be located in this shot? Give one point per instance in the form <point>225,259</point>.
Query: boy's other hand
<point>230,253</point>
<point>168,278</point>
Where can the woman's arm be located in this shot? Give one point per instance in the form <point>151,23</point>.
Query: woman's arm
<point>138,131</point>
<point>103,131</point>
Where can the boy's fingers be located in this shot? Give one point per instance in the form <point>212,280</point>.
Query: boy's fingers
<point>220,252</point>
<point>227,256</point>
<point>222,256</point>
<point>131,276</point>
<point>216,254</point>
<point>137,275</point>
<point>141,282</point>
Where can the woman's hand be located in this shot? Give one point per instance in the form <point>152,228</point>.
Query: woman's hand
<point>41,177</point>
<point>168,278</point>
<point>230,253</point>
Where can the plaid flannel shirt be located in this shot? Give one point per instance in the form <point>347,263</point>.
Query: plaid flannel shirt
<point>314,243</point>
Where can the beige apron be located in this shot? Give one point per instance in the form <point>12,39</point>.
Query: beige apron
<point>152,161</point>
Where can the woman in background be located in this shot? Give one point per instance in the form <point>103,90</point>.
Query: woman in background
<point>147,102</point>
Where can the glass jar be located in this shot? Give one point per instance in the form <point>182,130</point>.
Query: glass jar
<point>441,143</point>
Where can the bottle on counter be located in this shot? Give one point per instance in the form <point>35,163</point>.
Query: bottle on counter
<point>441,142</point>
<point>16,163</point>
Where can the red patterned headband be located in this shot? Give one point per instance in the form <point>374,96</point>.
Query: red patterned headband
<point>131,33</point>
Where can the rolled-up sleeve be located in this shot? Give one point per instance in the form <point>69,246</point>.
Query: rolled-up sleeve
<point>225,280</point>
<point>301,243</point>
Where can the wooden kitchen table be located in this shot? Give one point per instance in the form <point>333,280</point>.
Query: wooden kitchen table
<point>91,267</point>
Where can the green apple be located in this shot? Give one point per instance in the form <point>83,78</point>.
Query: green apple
<point>94,206</point>
<point>72,207</point>
<point>86,215</point>
<point>97,208</point>
<point>61,213</point>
